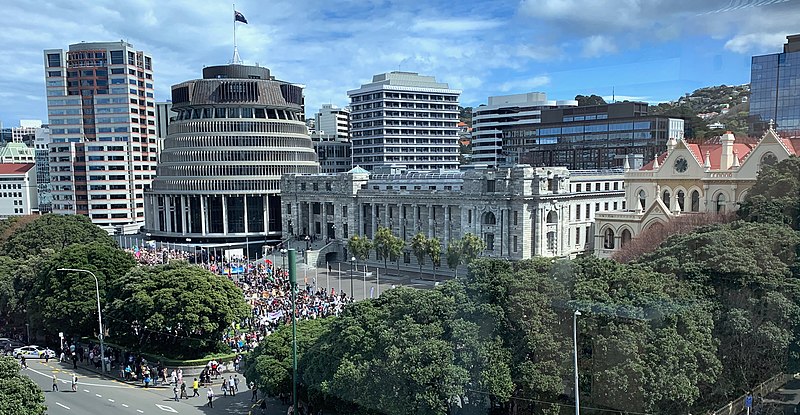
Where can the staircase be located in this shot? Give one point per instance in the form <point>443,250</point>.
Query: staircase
<point>316,257</point>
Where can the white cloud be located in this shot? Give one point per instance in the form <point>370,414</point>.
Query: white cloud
<point>524,85</point>
<point>598,45</point>
<point>756,42</point>
<point>454,25</point>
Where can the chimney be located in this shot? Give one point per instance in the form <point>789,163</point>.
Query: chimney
<point>726,158</point>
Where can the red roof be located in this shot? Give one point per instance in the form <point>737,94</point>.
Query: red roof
<point>15,168</point>
<point>741,149</point>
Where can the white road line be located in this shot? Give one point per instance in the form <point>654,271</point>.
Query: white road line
<point>140,411</point>
<point>82,383</point>
<point>166,408</point>
<point>110,400</point>
<point>86,390</point>
<point>62,405</point>
<point>98,395</point>
<point>124,406</point>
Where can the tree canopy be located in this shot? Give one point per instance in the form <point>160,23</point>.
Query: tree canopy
<point>53,232</point>
<point>19,395</point>
<point>176,308</point>
<point>589,100</point>
<point>775,197</point>
<point>65,300</point>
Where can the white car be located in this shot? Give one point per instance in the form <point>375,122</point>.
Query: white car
<point>34,352</point>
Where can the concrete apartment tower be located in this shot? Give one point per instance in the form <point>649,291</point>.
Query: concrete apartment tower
<point>403,118</point>
<point>103,146</point>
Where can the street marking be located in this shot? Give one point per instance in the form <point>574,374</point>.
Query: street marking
<point>82,383</point>
<point>124,406</point>
<point>166,408</point>
<point>62,405</point>
<point>140,411</point>
<point>110,400</point>
<point>86,390</point>
<point>98,395</point>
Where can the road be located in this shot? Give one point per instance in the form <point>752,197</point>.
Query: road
<point>99,395</point>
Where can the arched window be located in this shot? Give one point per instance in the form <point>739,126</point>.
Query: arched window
<point>721,203</point>
<point>608,239</point>
<point>642,198</point>
<point>551,241</point>
<point>695,201</point>
<point>626,237</point>
<point>666,197</point>
<point>768,159</point>
<point>489,218</point>
<point>680,196</point>
<point>552,217</point>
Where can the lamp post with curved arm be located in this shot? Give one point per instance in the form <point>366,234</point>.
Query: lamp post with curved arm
<point>99,313</point>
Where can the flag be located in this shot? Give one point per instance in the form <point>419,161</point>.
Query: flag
<point>239,17</point>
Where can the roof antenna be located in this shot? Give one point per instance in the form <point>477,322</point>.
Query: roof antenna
<point>613,95</point>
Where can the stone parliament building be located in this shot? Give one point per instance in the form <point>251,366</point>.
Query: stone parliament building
<point>519,211</point>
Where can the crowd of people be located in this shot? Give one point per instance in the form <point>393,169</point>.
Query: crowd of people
<point>154,256</point>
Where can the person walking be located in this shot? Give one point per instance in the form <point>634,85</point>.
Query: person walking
<point>55,384</point>
<point>254,388</point>
<point>183,391</point>
<point>231,387</point>
<point>74,382</point>
<point>22,361</point>
<point>195,387</point>
<point>210,395</point>
<point>175,392</point>
<point>236,383</point>
<point>224,387</point>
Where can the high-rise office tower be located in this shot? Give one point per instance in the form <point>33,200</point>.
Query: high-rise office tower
<point>103,146</point>
<point>489,123</point>
<point>332,123</point>
<point>403,118</point>
<point>774,95</point>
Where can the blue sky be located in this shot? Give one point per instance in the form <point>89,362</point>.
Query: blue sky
<point>652,50</point>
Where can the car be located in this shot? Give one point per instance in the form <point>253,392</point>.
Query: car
<point>33,352</point>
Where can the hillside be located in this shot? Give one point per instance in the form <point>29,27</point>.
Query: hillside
<point>705,107</point>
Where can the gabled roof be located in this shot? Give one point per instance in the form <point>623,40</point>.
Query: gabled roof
<point>15,168</point>
<point>741,147</point>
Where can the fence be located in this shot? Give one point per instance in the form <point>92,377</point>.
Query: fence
<point>736,406</point>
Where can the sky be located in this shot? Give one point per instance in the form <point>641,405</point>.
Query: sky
<point>649,50</point>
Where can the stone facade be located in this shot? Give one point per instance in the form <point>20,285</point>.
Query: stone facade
<point>689,179</point>
<point>520,211</point>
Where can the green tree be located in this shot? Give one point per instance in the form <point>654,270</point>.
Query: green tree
<point>19,395</point>
<point>589,100</point>
<point>54,232</point>
<point>270,364</point>
<point>471,247</point>
<point>392,355</point>
<point>178,309</point>
<point>775,197</point>
<point>434,251</point>
<point>359,246</point>
<point>419,246</point>
<point>748,272</point>
<point>65,301</point>
<point>387,246</point>
<point>453,256</point>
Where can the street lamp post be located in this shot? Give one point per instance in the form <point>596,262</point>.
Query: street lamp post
<point>283,256</point>
<point>575,345</point>
<point>352,262</point>
<point>99,313</point>
<point>293,288</point>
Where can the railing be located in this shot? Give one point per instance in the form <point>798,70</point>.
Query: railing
<point>736,406</point>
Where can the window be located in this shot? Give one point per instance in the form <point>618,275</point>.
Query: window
<point>516,216</point>
<point>642,199</point>
<point>626,237</point>
<point>666,197</point>
<point>514,243</point>
<point>489,219</point>
<point>490,186</point>
<point>608,239</point>
<point>721,203</point>
<point>551,241</point>
<point>552,217</point>
<point>53,60</point>
<point>578,212</point>
<point>680,198</point>
<point>577,236</point>
<point>695,201</point>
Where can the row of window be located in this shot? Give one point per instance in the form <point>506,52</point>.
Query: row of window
<point>237,112</point>
<point>237,156</point>
<point>396,95</point>
<point>238,141</point>
<point>237,126</point>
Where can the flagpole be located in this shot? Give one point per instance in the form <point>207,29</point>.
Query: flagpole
<point>233,60</point>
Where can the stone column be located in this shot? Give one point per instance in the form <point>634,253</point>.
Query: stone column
<point>246,225</point>
<point>446,224</point>
<point>431,232</point>
<point>415,219</point>
<point>265,213</point>
<point>224,214</point>
<point>323,206</point>
<point>188,214</point>
<point>374,219</point>
<point>203,217</point>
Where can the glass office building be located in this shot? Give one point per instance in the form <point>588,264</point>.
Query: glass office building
<point>775,89</point>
